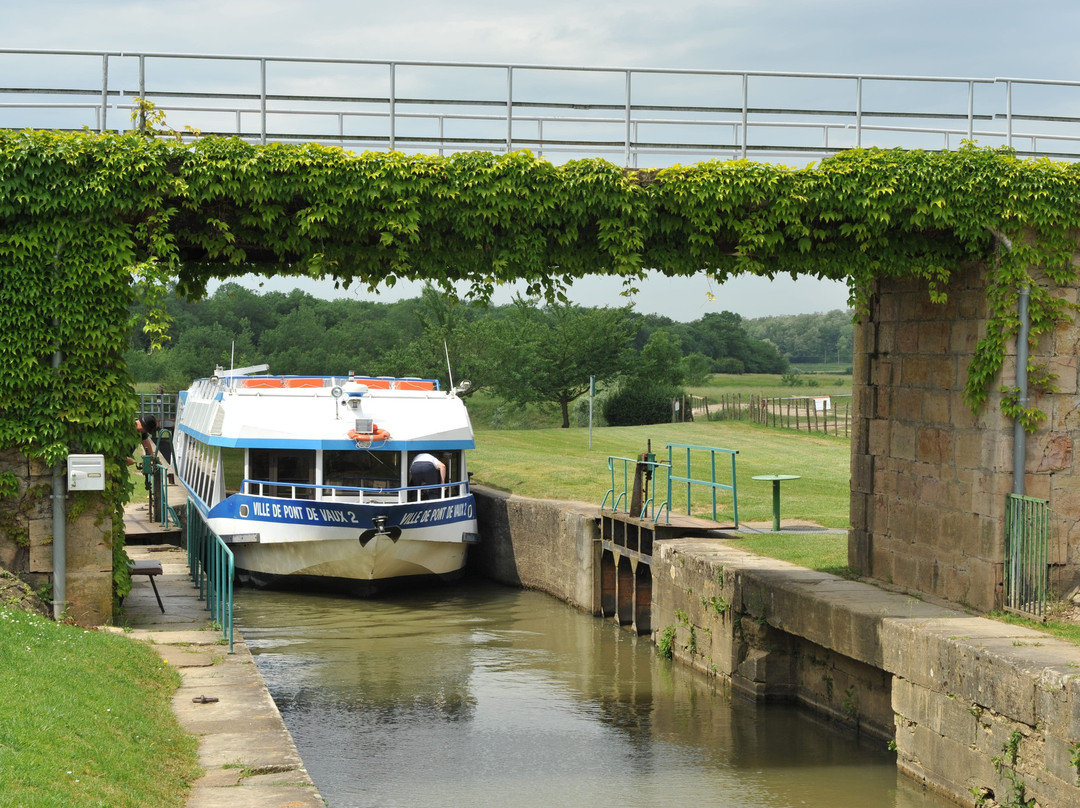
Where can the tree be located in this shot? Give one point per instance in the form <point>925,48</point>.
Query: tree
<point>547,355</point>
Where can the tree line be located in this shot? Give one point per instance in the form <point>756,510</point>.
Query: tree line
<point>524,352</point>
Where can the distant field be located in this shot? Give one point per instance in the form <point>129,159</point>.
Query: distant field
<point>770,384</point>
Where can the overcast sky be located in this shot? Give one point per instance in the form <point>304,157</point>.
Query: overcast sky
<point>990,38</point>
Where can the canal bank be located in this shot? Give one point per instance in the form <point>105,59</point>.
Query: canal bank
<point>247,755</point>
<point>980,711</point>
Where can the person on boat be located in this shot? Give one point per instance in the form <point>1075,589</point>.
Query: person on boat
<point>426,469</point>
<point>146,426</point>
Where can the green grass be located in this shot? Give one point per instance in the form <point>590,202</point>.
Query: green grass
<point>770,384</point>
<point>88,720</point>
<point>1062,630</point>
<point>824,552</point>
<point>558,464</point>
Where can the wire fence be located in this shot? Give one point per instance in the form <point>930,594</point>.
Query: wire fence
<point>828,414</point>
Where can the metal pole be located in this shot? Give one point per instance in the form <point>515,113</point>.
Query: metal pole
<point>858,112</point>
<point>1019,435</point>
<point>1008,114</point>
<point>626,147</point>
<point>971,110</point>
<point>393,102</point>
<point>262,101</point>
<point>745,115</point>
<point>104,92</point>
<point>142,93</point>
<point>509,109</point>
<point>592,393</point>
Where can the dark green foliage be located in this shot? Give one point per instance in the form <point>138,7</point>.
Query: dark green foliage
<point>637,402</point>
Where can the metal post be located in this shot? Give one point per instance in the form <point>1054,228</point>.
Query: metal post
<point>393,103</point>
<point>626,147</point>
<point>971,110</point>
<point>1019,435</point>
<point>509,109</point>
<point>142,93</point>
<point>262,101</point>
<point>104,92</point>
<point>858,112</point>
<point>1008,114</point>
<point>745,114</point>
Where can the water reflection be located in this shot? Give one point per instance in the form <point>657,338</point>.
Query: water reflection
<point>482,695</point>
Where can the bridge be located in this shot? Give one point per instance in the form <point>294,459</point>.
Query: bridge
<point>637,117</point>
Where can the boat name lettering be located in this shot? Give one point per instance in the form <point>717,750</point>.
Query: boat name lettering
<point>457,511</point>
<point>278,510</point>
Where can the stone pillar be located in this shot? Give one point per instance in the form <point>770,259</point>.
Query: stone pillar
<point>26,540</point>
<point>928,477</point>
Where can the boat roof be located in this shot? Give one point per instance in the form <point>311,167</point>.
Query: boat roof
<point>318,412</point>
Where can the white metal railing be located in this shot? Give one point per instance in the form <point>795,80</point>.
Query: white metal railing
<point>627,114</point>
<point>353,494</point>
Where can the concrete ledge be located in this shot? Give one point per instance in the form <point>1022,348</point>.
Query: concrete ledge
<point>957,691</point>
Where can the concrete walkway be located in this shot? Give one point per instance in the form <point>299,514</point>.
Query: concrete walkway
<point>247,754</point>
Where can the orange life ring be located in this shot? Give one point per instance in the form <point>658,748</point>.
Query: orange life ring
<point>375,436</point>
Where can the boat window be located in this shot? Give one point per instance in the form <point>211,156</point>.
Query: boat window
<point>295,468</point>
<point>454,474</point>
<point>363,469</point>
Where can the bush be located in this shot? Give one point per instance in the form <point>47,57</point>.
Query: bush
<point>730,364</point>
<point>635,404</point>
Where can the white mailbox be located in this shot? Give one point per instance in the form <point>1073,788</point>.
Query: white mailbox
<point>86,472</point>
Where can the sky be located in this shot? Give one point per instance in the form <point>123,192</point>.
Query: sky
<point>990,38</point>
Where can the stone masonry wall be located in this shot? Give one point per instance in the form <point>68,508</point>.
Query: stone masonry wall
<point>928,477</point>
<point>538,544</point>
<point>26,540</point>
<point>980,711</point>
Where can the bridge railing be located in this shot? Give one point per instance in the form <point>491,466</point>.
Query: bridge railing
<point>636,116</point>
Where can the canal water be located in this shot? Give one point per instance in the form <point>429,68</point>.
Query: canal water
<point>481,695</point>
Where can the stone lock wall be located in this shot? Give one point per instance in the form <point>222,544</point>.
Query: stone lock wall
<point>928,477</point>
<point>26,540</point>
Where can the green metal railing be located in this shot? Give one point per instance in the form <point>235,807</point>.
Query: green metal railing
<point>161,492</point>
<point>649,507</point>
<point>1027,555</point>
<point>212,570</point>
<point>672,474</point>
<point>689,480</point>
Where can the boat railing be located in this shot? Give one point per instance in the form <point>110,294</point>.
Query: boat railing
<point>354,495</point>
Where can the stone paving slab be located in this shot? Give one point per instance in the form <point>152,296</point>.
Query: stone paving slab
<point>247,754</point>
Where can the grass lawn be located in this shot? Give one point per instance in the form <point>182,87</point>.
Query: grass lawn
<point>558,464</point>
<point>93,725</point>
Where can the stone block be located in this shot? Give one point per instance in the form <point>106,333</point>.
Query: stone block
<point>944,714</point>
<point>935,407</point>
<point>902,444</point>
<point>934,336</point>
<point>935,445</point>
<point>90,597</point>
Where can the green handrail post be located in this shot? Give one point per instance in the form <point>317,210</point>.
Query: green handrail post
<point>213,569</point>
<point>711,483</point>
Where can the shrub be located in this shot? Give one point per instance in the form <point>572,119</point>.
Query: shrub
<point>636,403</point>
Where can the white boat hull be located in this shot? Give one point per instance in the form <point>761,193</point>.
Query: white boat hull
<point>338,543</point>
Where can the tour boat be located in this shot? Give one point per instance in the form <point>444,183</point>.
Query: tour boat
<point>326,500</point>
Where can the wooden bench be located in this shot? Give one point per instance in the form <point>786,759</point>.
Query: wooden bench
<point>150,569</point>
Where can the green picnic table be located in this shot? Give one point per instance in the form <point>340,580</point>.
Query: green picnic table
<point>776,479</point>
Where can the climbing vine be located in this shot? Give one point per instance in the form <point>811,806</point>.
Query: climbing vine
<point>88,221</point>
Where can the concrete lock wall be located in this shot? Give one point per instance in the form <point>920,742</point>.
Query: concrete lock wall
<point>26,540</point>
<point>928,477</point>
<point>976,709</point>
